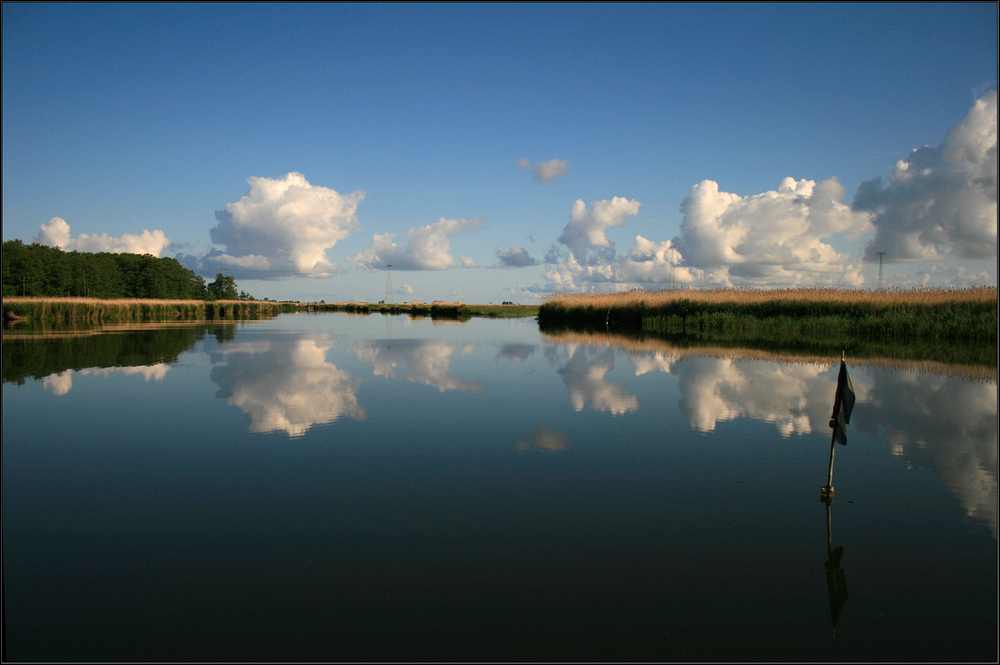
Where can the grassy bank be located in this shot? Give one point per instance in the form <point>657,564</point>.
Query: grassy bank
<point>94,310</point>
<point>437,309</point>
<point>946,315</point>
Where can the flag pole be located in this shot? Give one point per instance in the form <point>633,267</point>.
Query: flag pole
<point>826,494</point>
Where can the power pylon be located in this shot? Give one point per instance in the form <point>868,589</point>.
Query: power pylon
<point>670,260</point>
<point>881,279</point>
<point>388,284</point>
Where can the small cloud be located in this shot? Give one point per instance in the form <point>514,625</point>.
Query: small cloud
<point>56,234</point>
<point>545,173</point>
<point>469,262</point>
<point>405,290</point>
<point>427,249</point>
<point>515,257</point>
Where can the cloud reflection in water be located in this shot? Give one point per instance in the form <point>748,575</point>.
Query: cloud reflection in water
<point>287,385</point>
<point>429,361</point>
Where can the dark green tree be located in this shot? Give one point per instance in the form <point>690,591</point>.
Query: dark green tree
<point>223,288</point>
<point>42,271</point>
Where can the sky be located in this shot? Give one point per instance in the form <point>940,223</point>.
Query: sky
<point>495,152</point>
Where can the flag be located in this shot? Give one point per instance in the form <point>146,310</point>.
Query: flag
<point>843,404</point>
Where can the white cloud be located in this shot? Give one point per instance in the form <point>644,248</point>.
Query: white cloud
<point>284,226</point>
<point>777,238</point>
<point>427,250</point>
<point>515,257</point>
<point>940,200</point>
<point>469,262</point>
<point>585,229</point>
<point>56,234</point>
<point>545,172</point>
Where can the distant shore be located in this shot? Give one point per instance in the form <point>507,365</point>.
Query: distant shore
<point>436,309</point>
<point>96,310</point>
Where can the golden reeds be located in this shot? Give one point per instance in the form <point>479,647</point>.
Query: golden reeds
<point>634,297</point>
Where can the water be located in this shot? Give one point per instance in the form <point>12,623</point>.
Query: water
<point>335,487</point>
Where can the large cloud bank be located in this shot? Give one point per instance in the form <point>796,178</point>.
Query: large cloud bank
<point>778,238</point>
<point>940,200</point>
<point>283,227</point>
<point>56,234</point>
<point>428,248</point>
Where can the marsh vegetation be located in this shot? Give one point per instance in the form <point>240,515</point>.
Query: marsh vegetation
<point>928,314</point>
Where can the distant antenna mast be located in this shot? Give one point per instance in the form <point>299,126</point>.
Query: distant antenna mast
<point>881,279</point>
<point>388,284</point>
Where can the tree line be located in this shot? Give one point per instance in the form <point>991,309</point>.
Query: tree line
<point>49,272</point>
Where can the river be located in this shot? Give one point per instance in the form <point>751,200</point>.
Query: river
<point>340,487</point>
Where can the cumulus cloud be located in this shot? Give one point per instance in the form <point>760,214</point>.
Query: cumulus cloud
<point>284,226</point>
<point>56,234</point>
<point>940,200</point>
<point>515,257</point>
<point>428,248</point>
<point>777,238</point>
<point>545,172</point>
<point>585,229</point>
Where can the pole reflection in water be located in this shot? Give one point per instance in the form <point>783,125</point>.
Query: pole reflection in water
<point>836,580</point>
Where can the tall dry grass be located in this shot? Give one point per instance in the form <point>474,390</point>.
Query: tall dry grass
<point>37,309</point>
<point>634,297</point>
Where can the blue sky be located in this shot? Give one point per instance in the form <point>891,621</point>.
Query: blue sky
<point>502,152</point>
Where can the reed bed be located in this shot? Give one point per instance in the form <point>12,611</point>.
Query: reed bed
<point>946,314</point>
<point>95,310</point>
<point>632,297</point>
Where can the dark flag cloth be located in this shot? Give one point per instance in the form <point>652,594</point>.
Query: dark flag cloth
<point>843,404</point>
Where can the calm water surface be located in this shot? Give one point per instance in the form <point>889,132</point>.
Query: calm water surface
<point>334,487</point>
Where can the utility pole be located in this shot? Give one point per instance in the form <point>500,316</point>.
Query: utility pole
<point>388,284</point>
<point>881,279</point>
